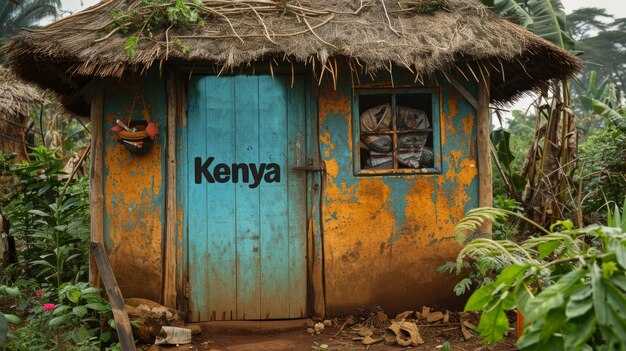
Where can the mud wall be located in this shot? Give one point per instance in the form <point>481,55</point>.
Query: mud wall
<point>385,236</point>
<point>134,187</point>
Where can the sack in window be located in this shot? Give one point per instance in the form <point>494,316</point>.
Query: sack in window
<point>379,160</point>
<point>410,150</point>
<point>423,158</point>
<point>377,119</point>
<point>410,145</point>
<point>409,118</point>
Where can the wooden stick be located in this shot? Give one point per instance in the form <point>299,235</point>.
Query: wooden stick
<point>341,329</point>
<point>438,325</point>
<point>75,168</point>
<point>122,322</point>
<point>466,94</point>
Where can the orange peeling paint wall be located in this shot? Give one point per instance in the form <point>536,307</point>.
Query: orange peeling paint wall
<point>385,236</point>
<point>134,188</point>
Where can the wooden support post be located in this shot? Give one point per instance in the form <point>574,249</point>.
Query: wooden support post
<point>314,229</point>
<point>169,261</point>
<point>485,190</point>
<point>466,94</point>
<point>122,322</point>
<point>97,198</point>
<point>317,273</point>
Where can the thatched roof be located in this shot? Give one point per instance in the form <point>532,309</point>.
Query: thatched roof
<point>423,35</point>
<point>16,100</point>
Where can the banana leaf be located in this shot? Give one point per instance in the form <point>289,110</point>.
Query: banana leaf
<point>549,22</point>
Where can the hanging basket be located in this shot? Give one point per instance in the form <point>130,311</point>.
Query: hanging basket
<point>137,142</point>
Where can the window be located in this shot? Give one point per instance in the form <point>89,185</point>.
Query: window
<point>397,131</point>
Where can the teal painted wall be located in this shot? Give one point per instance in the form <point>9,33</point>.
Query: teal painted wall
<point>384,236</point>
<point>134,187</point>
<point>246,240</point>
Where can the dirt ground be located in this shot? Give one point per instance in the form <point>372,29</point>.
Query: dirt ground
<point>300,340</point>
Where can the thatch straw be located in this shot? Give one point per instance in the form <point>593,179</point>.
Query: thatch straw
<point>16,101</point>
<point>423,35</point>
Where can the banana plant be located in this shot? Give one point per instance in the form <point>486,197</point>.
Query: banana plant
<point>604,110</point>
<point>553,152</point>
<point>602,99</point>
<point>512,9</point>
<point>546,18</point>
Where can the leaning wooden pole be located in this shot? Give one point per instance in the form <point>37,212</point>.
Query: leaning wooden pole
<point>122,322</point>
<point>485,189</point>
<point>97,197</point>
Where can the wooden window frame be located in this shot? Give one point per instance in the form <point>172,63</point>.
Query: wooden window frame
<point>436,108</point>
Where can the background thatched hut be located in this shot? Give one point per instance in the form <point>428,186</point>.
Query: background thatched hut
<point>312,156</point>
<point>17,99</point>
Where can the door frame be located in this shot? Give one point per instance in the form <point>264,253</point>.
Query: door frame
<point>175,251</point>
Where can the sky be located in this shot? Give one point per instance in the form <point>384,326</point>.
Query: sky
<point>615,7</point>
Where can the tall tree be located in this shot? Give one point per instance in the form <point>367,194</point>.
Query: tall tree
<point>25,13</point>
<point>603,40</point>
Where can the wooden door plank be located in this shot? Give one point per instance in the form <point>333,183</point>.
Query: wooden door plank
<point>275,214</point>
<point>220,254</point>
<point>296,112</point>
<point>122,322</point>
<point>247,198</point>
<point>196,199</point>
<point>182,267</point>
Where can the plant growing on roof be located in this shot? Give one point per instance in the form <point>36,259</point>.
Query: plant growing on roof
<point>160,14</point>
<point>569,284</point>
<point>140,21</point>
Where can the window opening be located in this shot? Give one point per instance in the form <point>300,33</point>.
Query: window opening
<point>396,131</point>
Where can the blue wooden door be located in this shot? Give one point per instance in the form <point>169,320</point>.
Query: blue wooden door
<point>244,206</point>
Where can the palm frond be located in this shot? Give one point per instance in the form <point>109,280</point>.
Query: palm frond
<point>558,242</point>
<point>474,219</point>
<point>498,252</point>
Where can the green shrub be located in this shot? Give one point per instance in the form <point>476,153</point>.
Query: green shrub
<point>569,284</point>
<point>603,159</point>
<point>52,307</point>
<point>49,221</point>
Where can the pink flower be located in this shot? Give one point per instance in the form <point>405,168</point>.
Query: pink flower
<point>48,306</point>
<point>39,293</point>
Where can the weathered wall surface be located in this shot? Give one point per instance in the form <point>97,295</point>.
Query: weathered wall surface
<point>134,188</point>
<point>385,236</point>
